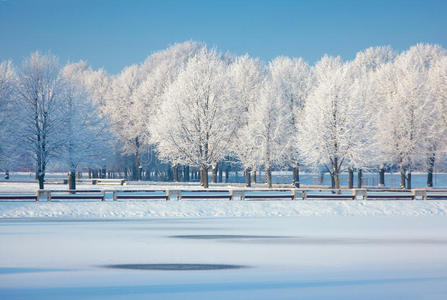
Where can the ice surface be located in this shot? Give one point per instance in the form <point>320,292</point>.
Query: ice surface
<point>317,257</point>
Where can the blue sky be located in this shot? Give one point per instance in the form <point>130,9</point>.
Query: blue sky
<point>113,34</point>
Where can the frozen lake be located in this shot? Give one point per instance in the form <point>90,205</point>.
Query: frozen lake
<point>221,258</point>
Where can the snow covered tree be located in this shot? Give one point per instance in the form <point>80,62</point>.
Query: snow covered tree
<point>362,71</point>
<point>407,123</point>
<point>85,136</point>
<point>267,125</point>
<point>436,131</point>
<point>136,94</point>
<point>247,76</point>
<point>97,84</point>
<point>332,125</point>
<point>39,90</point>
<point>195,123</point>
<point>124,111</point>
<point>8,116</point>
<point>292,80</point>
<point>160,70</point>
<point>438,93</point>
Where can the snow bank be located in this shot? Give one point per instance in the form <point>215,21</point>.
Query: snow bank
<point>209,208</point>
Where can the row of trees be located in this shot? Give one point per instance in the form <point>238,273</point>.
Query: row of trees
<point>195,106</point>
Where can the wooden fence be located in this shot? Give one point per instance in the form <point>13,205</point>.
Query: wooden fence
<point>231,194</point>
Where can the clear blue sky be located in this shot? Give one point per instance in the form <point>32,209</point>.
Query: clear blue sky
<point>113,34</point>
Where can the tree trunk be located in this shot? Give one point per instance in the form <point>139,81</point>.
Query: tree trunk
<point>332,181</point>
<point>335,174</point>
<point>296,176</point>
<point>247,177</point>
<point>71,180</point>
<point>381,176</point>
<point>137,159</point>
<point>253,176</point>
<point>359,178</point>
<point>6,174</point>
<point>227,174</point>
<point>220,173</point>
<point>204,177</point>
<point>402,178</point>
<point>337,180</point>
<point>186,173</point>
<point>350,178</point>
<point>175,172</point>
<point>268,177</point>
<point>431,165</point>
<point>214,173</point>
<point>41,178</point>
<point>409,180</point>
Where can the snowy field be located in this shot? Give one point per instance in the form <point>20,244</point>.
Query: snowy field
<point>219,208</point>
<point>269,258</point>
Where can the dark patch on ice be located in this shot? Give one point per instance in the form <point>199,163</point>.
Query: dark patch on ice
<point>346,241</point>
<point>28,270</point>
<point>174,267</point>
<point>178,228</point>
<point>226,236</point>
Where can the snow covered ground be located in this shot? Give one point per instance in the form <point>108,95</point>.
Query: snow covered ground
<point>203,208</point>
<point>219,208</point>
<point>279,258</point>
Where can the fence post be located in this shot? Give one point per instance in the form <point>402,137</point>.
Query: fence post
<point>237,193</point>
<point>43,193</point>
<point>360,193</point>
<point>174,193</point>
<point>419,193</point>
<point>302,194</point>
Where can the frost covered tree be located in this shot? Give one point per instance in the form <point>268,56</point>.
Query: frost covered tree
<point>85,135</point>
<point>136,94</point>
<point>332,125</point>
<point>408,120</point>
<point>160,70</point>
<point>292,80</point>
<point>124,111</point>
<point>362,71</point>
<point>247,76</point>
<point>97,84</point>
<point>438,93</point>
<point>39,92</point>
<point>8,116</point>
<point>267,124</point>
<point>195,123</point>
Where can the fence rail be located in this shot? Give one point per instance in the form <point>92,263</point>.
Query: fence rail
<point>230,194</point>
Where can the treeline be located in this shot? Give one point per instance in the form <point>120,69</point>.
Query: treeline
<point>197,107</point>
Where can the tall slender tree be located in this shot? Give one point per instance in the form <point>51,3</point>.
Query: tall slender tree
<point>39,91</point>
